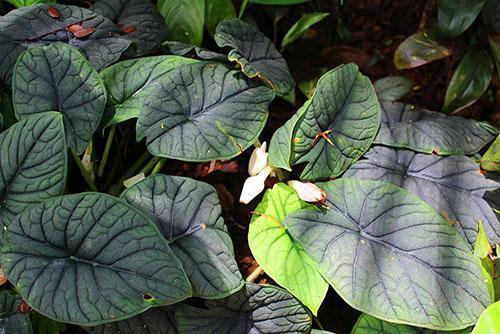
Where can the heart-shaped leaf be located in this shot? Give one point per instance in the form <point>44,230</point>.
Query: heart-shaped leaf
<point>189,216</point>
<point>393,88</point>
<point>253,309</point>
<point>389,254</point>
<point>26,27</point>
<point>202,112</point>
<point>367,324</point>
<point>140,21</point>
<point>454,17</point>
<point>255,53</point>
<point>129,82</point>
<point>419,49</point>
<point>156,320</point>
<point>11,319</point>
<point>33,165</point>
<point>469,82</point>
<point>335,127</point>
<point>89,259</point>
<point>491,159</point>
<point>57,77</point>
<point>421,130</point>
<point>281,257</point>
<point>185,20</point>
<point>453,186</point>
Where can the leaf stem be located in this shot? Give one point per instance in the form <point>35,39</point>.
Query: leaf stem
<point>107,148</point>
<point>150,165</point>
<point>242,8</point>
<point>159,166</point>
<point>84,173</point>
<point>116,188</point>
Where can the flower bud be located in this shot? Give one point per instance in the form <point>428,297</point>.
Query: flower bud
<point>254,185</point>
<point>308,192</point>
<point>258,160</point>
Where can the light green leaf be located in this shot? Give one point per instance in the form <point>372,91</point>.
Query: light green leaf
<point>89,259</point>
<point>454,17</point>
<point>185,20</point>
<point>281,257</point>
<point>393,88</point>
<point>419,49</point>
<point>301,26</point>
<point>37,165</point>
<point>469,82</point>
<point>216,11</point>
<point>489,320</point>
<point>482,250</point>
<point>490,161</point>
<point>27,3</point>
<point>188,214</point>
<point>202,112</point>
<point>255,53</point>
<point>11,319</point>
<point>389,254</point>
<point>336,127</point>
<point>58,78</point>
<point>130,82</point>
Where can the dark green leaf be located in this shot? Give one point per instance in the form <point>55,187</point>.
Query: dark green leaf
<point>301,26</point>
<point>389,254</point>
<point>393,88</point>
<point>27,3</point>
<point>421,130</point>
<point>33,165</point>
<point>140,21</point>
<point>17,34</point>
<point>345,109</point>
<point>129,83</point>
<point>367,324</point>
<point>491,15</point>
<point>89,259</point>
<point>216,11</point>
<point>58,78</point>
<point>491,159</point>
<point>469,82</point>
<point>185,20</point>
<point>183,49</point>
<point>278,2</point>
<point>453,186</point>
<point>153,321</point>
<point>7,109</point>
<point>281,257</point>
<point>494,42</point>
<point>202,112</point>
<point>454,17</point>
<point>253,309</point>
<point>419,49</point>
<point>189,216</point>
<point>255,53</point>
<point>11,320</point>
<point>44,325</point>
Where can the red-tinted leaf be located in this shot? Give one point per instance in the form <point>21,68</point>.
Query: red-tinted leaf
<point>84,32</point>
<point>129,29</point>
<point>74,27</point>
<point>53,12</point>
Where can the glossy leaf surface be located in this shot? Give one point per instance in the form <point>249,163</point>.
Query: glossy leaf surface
<point>419,49</point>
<point>393,88</point>
<point>253,309</point>
<point>301,26</point>
<point>58,78</point>
<point>202,112</point>
<point>255,53</point>
<point>34,166</point>
<point>216,11</point>
<point>491,159</point>
<point>101,48</point>
<point>90,259</point>
<point>374,246</point>
<point>189,216</point>
<point>281,257</point>
<point>184,19</point>
<point>421,130</point>
<point>454,17</point>
<point>489,320</point>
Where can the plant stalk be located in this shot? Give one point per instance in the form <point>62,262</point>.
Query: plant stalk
<point>107,148</point>
<point>159,166</point>
<point>84,173</point>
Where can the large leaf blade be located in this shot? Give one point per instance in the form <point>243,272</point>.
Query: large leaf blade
<point>201,112</point>
<point>389,254</point>
<point>58,78</point>
<point>89,259</point>
<point>35,164</point>
<point>453,186</point>
<point>101,48</point>
<point>454,17</point>
<point>281,257</point>
<point>187,27</point>
<point>189,216</point>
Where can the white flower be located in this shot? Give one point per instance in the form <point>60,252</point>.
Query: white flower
<point>308,192</point>
<point>254,185</point>
<point>258,160</point>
